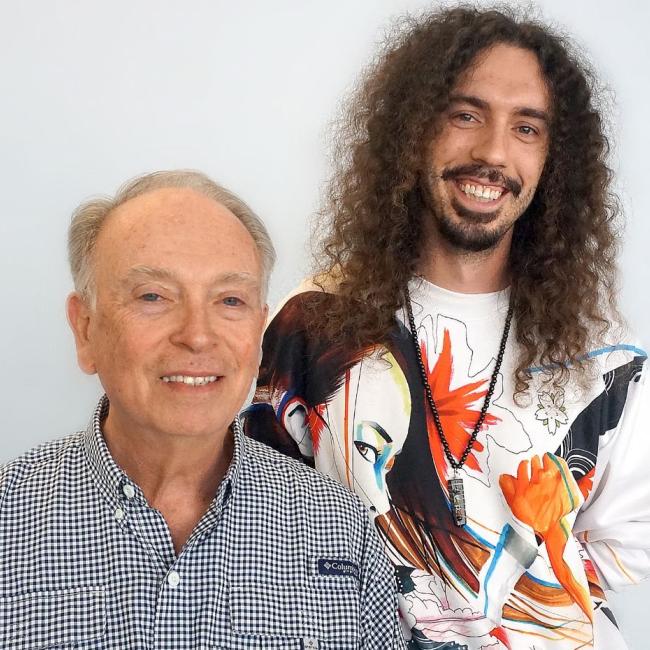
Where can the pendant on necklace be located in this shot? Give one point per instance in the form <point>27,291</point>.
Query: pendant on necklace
<point>457,497</point>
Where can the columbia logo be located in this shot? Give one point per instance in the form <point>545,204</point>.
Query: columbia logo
<point>330,567</point>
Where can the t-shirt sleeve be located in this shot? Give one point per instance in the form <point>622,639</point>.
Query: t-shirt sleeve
<point>278,415</point>
<point>614,523</point>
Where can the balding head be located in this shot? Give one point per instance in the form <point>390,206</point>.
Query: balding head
<point>88,219</point>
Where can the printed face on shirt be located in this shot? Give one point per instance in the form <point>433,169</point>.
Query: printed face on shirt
<point>175,333</point>
<point>375,406</point>
<point>487,156</point>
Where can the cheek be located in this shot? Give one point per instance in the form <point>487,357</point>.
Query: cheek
<point>244,348</point>
<point>121,341</point>
<point>532,166</point>
<point>245,336</point>
<point>451,148</point>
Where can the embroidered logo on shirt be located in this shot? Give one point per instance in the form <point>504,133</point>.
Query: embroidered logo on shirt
<point>309,644</point>
<point>328,567</point>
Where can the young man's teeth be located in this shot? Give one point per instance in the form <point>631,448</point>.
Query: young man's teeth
<point>481,192</point>
<point>191,381</point>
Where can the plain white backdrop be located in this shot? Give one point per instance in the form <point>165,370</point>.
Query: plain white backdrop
<point>95,92</point>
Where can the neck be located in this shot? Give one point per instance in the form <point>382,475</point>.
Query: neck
<point>464,271</point>
<point>178,476</point>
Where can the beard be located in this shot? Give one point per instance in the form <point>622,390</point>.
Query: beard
<point>468,230</point>
<point>472,233</point>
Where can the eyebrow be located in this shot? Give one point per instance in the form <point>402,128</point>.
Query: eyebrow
<point>152,273</point>
<point>524,111</point>
<point>136,272</point>
<point>380,430</point>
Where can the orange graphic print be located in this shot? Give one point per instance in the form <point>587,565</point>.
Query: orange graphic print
<point>500,634</point>
<point>457,416</point>
<point>541,498</point>
<point>316,422</point>
<point>586,483</point>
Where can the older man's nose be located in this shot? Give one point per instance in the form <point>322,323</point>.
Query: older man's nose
<point>195,329</point>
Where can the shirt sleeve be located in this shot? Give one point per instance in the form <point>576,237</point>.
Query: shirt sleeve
<point>380,624</point>
<point>4,474</point>
<point>301,369</point>
<point>614,523</point>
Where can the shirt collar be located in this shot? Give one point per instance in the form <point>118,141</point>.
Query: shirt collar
<point>113,480</point>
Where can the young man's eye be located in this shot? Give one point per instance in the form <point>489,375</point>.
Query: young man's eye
<point>464,117</point>
<point>527,130</point>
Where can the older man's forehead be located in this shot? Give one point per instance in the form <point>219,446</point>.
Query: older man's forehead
<point>176,217</point>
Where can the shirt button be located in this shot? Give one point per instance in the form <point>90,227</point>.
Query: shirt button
<point>119,514</point>
<point>173,579</point>
<point>129,490</point>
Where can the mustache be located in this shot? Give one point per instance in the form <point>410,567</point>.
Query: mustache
<point>492,175</point>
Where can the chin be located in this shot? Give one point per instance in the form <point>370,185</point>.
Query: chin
<point>472,242</point>
<point>472,237</point>
<point>197,428</point>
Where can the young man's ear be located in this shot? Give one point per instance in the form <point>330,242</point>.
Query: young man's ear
<point>79,315</point>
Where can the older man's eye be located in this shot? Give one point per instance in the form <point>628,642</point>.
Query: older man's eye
<point>150,297</point>
<point>232,301</point>
<point>368,452</point>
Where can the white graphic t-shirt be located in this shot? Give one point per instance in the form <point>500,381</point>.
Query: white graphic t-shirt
<point>556,486</point>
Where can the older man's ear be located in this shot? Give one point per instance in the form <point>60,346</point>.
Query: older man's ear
<point>79,315</point>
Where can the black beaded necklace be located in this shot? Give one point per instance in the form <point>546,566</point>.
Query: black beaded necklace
<point>455,484</point>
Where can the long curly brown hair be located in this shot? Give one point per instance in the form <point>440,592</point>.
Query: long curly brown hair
<point>562,260</point>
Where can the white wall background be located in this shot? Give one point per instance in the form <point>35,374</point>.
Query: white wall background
<point>92,93</point>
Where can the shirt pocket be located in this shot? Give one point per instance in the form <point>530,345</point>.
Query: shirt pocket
<point>323,616</point>
<point>52,619</point>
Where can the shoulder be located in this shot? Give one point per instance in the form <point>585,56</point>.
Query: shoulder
<point>310,292</point>
<point>294,337</point>
<point>289,479</point>
<point>37,469</point>
<point>619,348</point>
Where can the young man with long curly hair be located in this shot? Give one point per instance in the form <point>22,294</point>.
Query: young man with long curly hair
<point>458,359</point>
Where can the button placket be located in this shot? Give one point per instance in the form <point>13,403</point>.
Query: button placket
<point>128,491</point>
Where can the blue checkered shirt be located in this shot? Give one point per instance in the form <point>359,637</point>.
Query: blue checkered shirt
<point>283,558</point>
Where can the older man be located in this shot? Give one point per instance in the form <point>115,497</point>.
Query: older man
<point>161,526</point>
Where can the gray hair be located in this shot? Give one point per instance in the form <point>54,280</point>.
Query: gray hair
<point>88,218</point>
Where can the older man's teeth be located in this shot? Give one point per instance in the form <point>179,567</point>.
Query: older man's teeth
<point>190,381</point>
<point>481,192</point>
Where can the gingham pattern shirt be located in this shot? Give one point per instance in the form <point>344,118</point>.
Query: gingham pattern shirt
<point>283,558</point>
